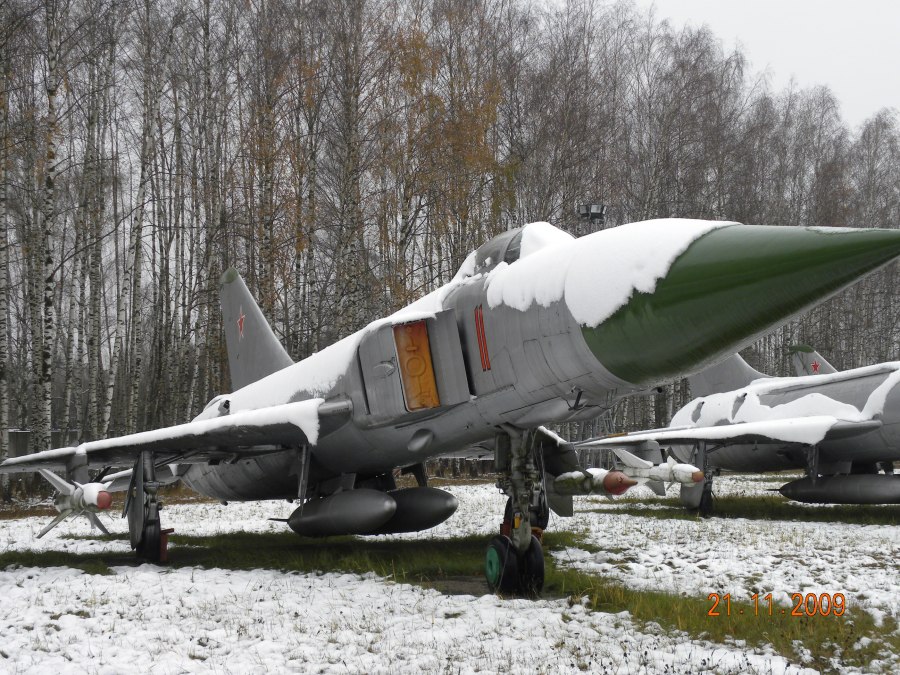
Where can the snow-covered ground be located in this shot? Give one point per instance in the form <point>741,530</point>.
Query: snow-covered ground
<point>165,620</point>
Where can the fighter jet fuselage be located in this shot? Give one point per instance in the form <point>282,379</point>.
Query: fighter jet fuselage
<point>516,339</point>
<point>845,395</point>
<point>485,367</point>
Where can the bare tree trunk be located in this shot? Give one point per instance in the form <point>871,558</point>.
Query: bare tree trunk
<point>4,274</point>
<point>48,337</point>
<point>132,259</point>
<point>131,273</point>
<point>76,300</point>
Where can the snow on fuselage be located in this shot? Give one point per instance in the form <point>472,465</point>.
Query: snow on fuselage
<point>854,395</point>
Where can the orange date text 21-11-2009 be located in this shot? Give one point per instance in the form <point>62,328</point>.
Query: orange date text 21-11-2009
<point>810,604</point>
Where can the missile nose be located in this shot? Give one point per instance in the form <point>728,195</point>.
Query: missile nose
<point>616,482</point>
<point>697,476</point>
<point>729,287</point>
<point>104,500</point>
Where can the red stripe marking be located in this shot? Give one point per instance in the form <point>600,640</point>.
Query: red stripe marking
<point>482,339</point>
<point>478,337</point>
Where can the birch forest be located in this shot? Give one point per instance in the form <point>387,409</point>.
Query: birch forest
<point>346,155</point>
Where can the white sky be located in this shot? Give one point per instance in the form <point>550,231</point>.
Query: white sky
<point>853,47</point>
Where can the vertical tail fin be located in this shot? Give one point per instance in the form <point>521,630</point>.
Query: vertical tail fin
<point>253,349</point>
<point>807,361</point>
<point>732,373</point>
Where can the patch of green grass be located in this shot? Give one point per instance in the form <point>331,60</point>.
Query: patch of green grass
<point>764,508</point>
<point>411,561</point>
<point>826,637</point>
<point>456,566</point>
<point>90,563</point>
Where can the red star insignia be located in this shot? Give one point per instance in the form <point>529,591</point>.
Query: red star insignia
<point>815,366</point>
<point>240,323</point>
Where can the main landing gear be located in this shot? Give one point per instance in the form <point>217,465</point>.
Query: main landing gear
<point>699,496</point>
<point>142,507</point>
<point>514,562</point>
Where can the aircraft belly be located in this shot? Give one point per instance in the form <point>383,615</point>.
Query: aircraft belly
<point>267,477</point>
<point>880,445</point>
<point>756,458</point>
<point>379,449</point>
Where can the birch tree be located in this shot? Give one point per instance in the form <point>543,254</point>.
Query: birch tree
<point>55,18</point>
<point>4,261</point>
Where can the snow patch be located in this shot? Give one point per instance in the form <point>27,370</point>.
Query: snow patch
<point>540,235</point>
<point>806,419</point>
<point>234,621</point>
<point>598,273</point>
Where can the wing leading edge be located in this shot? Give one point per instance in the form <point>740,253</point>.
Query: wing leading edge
<point>798,430</point>
<point>241,434</point>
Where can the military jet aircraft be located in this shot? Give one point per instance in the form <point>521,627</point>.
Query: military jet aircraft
<point>842,428</point>
<point>536,327</point>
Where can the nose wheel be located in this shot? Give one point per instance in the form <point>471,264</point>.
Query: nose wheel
<point>508,572</point>
<point>501,566</point>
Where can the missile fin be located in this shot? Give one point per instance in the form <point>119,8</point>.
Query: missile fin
<point>657,486</point>
<point>53,523</point>
<point>96,522</point>
<point>631,460</point>
<point>63,486</point>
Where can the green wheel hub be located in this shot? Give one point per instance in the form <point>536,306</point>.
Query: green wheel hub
<point>493,567</point>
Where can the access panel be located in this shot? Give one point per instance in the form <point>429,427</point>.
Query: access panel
<point>413,366</point>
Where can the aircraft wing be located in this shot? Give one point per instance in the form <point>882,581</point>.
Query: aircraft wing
<point>797,430</point>
<point>240,434</point>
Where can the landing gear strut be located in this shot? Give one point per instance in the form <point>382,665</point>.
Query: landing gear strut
<point>706,498</point>
<point>514,562</point>
<point>142,509</point>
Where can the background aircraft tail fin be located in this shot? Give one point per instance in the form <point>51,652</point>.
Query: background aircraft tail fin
<point>732,373</point>
<point>253,349</point>
<point>807,361</point>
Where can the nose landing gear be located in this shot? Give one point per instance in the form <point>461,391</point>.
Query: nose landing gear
<point>514,561</point>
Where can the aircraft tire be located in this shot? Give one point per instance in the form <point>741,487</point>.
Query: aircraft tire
<point>149,548</point>
<point>501,568</point>
<point>531,569</point>
<point>706,501</point>
<point>541,517</point>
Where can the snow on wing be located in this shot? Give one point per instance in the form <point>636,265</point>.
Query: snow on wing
<point>797,430</point>
<point>244,433</point>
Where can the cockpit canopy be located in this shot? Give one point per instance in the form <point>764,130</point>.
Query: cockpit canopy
<point>504,247</point>
<point>511,245</point>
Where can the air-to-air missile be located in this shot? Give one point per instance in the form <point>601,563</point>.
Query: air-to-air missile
<point>76,499</point>
<point>536,328</point>
<point>634,472</point>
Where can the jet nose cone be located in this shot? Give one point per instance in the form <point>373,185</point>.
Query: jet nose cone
<point>728,288</point>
